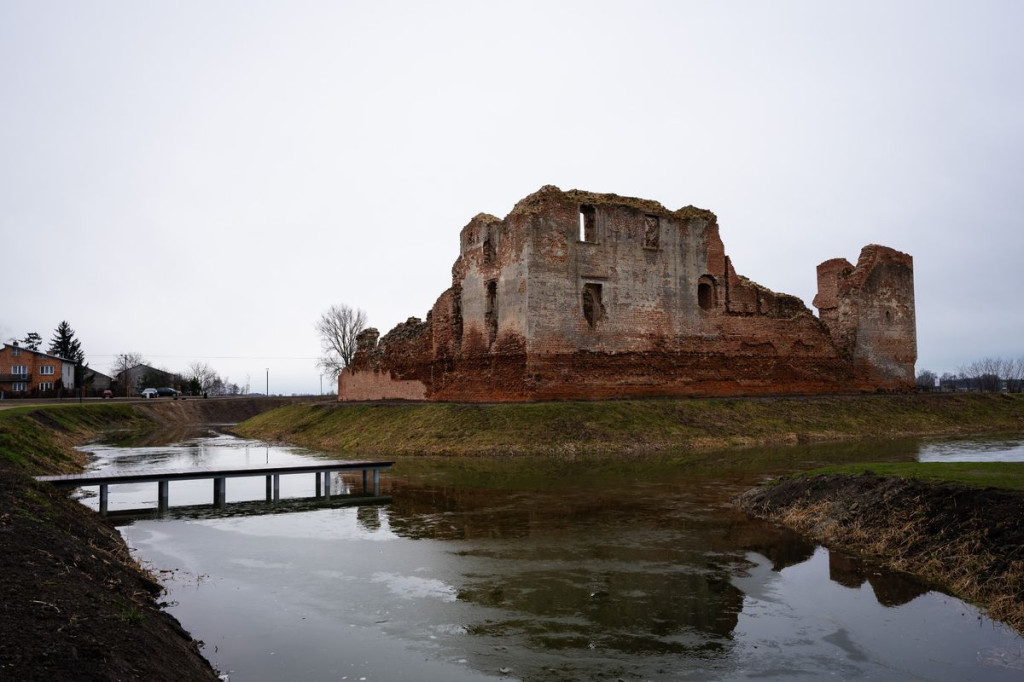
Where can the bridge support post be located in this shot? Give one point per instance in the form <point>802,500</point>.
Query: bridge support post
<point>319,486</point>
<point>104,496</point>
<point>270,490</point>
<point>162,495</point>
<point>219,491</point>
<point>277,487</point>
<point>376,482</point>
<point>364,480</point>
<point>327,485</point>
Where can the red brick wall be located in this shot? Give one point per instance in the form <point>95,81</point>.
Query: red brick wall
<point>377,385</point>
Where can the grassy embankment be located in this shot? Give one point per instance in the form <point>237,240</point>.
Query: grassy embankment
<point>40,440</point>
<point>564,429</point>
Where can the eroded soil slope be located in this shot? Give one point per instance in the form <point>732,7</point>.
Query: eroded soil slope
<point>74,606</point>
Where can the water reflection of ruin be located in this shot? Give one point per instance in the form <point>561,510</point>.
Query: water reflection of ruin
<point>652,573</point>
<point>891,589</point>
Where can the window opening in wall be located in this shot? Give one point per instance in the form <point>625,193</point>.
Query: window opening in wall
<point>706,294</point>
<point>46,369</point>
<point>488,247</point>
<point>491,312</point>
<point>588,224</point>
<point>15,351</point>
<point>652,231</point>
<point>593,307</point>
<point>19,369</point>
<point>18,387</point>
<point>457,317</point>
<point>45,385</point>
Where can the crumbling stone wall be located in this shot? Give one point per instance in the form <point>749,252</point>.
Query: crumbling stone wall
<point>583,295</point>
<point>869,311</point>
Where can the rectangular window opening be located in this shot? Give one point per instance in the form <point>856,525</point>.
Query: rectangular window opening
<point>593,306</point>
<point>491,312</point>
<point>588,224</point>
<point>652,231</point>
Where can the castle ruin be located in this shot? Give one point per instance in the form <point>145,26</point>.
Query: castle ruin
<point>576,295</point>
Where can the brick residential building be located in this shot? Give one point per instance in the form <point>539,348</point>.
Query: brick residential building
<point>583,295</point>
<point>31,373</point>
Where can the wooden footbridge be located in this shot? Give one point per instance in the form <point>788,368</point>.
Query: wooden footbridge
<point>322,470</point>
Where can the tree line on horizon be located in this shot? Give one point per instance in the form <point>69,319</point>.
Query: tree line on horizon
<point>988,375</point>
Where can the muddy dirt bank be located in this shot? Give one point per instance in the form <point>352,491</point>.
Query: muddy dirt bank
<point>73,603</point>
<point>967,541</point>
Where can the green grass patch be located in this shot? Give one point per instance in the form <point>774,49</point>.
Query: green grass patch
<point>39,440</point>
<point>1005,475</point>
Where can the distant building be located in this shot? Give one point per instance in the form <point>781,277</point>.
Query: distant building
<point>582,295</point>
<point>95,381</point>
<point>132,380</point>
<point>34,374</point>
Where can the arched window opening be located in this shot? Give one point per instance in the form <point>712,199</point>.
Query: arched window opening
<point>706,294</point>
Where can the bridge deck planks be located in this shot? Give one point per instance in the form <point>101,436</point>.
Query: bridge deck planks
<point>93,478</point>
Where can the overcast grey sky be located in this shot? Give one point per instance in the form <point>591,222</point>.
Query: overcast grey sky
<point>200,180</point>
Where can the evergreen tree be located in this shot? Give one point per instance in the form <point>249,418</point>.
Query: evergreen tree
<point>65,345</point>
<point>32,341</point>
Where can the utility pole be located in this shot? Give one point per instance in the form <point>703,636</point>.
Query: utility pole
<point>268,382</point>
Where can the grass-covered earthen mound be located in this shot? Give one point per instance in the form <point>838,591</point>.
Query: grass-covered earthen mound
<point>625,427</point>
<point>966,540</point>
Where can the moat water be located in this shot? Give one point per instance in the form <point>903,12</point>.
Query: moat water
<point>486,570</point>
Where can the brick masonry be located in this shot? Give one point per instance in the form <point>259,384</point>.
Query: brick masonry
<point>583,295</point>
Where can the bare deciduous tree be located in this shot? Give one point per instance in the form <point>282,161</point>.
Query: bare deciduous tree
<point>201,376</point>
<point>338,328</point>
<point>988,374</point>
<point>1014,373</point>
<point>122,363</point>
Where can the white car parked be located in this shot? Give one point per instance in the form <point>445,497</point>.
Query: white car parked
<point>148,393</point>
